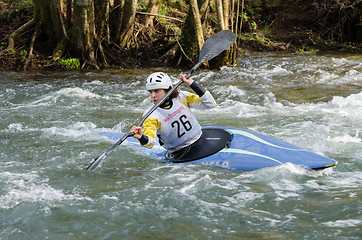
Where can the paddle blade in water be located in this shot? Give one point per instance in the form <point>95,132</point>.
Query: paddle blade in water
<point>97,162</point>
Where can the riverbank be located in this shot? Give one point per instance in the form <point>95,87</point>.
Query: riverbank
<point>291,31</point>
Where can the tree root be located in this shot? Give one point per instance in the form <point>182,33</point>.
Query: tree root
<point>90,63</point>
<point>15,34</point>
<point>30,56</point>
<point>103,56</point>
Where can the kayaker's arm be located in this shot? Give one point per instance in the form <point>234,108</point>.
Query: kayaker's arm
<point>203,99</point>
<point>193,85</point>
<point>143,140</point>
<point>198,89</point>
<point>147,134</point>
<point>138,133</point>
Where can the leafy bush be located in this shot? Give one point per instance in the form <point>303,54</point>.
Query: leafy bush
<point>69,63</point>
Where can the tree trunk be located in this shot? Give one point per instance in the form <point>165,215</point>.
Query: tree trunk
<point>83,32</point>
<point>226,11</point>
<point>69,13</point>
<point>199,33</point>
<point>192,36</point>
<point>94,30</point>
<point>220,15</point>
<point>56,11</point>
<point>223,15</point>
<point>153,6</point>
<point>42,15</point>
<point>116,19</point>
<point>128,20</point>
<point>101,8</point>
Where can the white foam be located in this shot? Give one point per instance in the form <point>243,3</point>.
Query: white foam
<point>344,223</point>
<point>196,185</point>
<point>75,93</point>
<point>351,180</point>
<point>29,187</point>
<point>351,101</point>
<point>352,76</point>
<point>15,127</point>
<point>338,62</point>
<point>279,71</point>
<point>244,198</point>
<point>94,82</point>
<point>345,139</point>
<point>230,91</point>
<point>324,77</point>
<point>286,188</point>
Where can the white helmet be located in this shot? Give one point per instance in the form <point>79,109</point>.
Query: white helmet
<point>158,80</point>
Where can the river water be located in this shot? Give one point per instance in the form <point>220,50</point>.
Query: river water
<point>313,101</point>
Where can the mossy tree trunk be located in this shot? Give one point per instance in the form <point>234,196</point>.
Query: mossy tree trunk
<point>83,32</point>
<point>192,37</point>
<point>82,27</point>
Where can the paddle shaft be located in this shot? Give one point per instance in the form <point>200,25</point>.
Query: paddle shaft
<point>211,48</point>
<point>162,100</point>
<point>96,162</point>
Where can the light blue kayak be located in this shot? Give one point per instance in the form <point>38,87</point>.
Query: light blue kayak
<point>240,150</point>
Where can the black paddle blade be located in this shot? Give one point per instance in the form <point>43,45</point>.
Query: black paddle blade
<point>213,46</point>
<point>98,161</point>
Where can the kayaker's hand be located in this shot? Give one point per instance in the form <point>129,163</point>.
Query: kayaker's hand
<point>137,132</point>
<point>187,81</point>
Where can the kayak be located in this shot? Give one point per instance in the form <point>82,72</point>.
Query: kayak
<point>237,149</point>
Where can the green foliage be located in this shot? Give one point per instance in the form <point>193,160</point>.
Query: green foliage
<point>256,36</point>
<point>19,4</point>
<point>23,55</point>
<point>253,24</point>
<point>13,10</point>
<point>3,45</point>
<point>250,9</point>
<point>142,4</point>
<point>69,63</point>
<point>24,3</point>
<point>11,51</point>
<point>163,10</point>
<point>244,17</point>
<point>255,33</point>
<point>302,51</point>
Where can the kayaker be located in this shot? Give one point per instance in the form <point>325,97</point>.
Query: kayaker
<point>172,122</point>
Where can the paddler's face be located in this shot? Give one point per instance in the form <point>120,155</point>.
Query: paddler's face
<point>157,94</point>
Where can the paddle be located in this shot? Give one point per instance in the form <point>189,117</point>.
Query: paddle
<point>213,46</point>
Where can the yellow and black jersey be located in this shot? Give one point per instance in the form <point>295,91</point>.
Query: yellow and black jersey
<point>177,126</point>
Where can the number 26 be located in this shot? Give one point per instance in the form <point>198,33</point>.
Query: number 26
<point>182,124</point>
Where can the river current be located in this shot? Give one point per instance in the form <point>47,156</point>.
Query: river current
<point>46,141</point>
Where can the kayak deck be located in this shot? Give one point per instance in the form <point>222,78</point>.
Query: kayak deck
<point>246,151</point>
